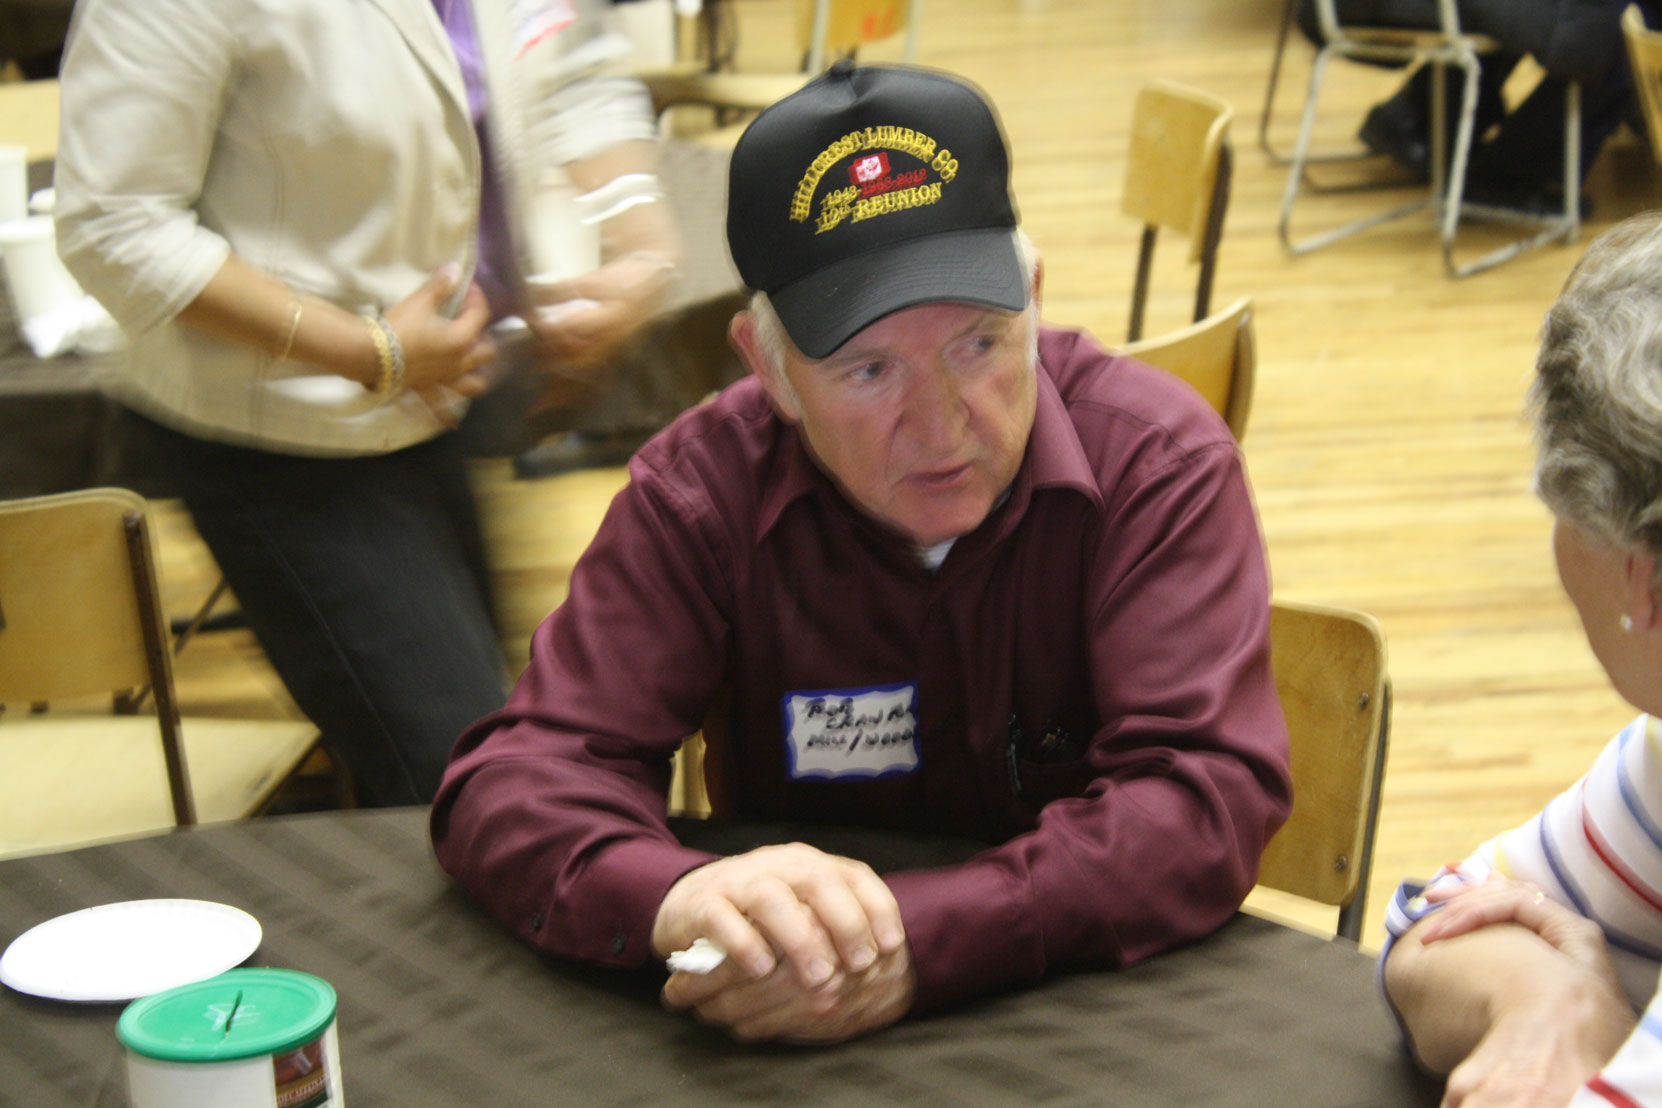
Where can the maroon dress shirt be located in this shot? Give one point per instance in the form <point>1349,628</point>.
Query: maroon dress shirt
<point>1084,683</point>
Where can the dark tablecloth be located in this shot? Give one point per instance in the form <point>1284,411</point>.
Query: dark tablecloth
<point>439,1006</point>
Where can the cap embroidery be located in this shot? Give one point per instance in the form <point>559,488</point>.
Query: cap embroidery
<point>873,190</point>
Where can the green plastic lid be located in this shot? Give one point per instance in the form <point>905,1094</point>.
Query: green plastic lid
<point>239,1014</point>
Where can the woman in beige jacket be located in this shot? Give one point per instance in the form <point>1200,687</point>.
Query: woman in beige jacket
<point>305,213</point>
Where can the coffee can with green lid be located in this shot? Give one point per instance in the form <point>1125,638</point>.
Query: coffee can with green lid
<point>249,1038</point>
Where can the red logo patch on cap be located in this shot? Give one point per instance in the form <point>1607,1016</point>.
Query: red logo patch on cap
<point>872,167</point>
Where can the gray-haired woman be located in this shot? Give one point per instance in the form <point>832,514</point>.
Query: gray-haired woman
<point>1521,971</point>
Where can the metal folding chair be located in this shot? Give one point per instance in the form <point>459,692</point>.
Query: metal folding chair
<point>1443,47</point>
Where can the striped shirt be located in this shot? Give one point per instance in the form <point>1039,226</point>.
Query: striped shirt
<point>1597,848</point>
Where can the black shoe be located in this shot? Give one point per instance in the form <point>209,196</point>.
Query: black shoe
<point>578,450</point>
<point>1535,199</point>
<point>1385,133</point>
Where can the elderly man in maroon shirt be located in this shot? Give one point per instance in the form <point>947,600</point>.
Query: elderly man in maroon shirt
<point>942,569</point>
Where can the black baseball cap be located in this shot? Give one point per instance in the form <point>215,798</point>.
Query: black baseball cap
<point>869,190</point>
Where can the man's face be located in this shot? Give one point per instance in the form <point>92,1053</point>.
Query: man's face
<point>922,418</point>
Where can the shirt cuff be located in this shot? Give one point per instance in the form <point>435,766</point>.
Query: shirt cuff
<point>630,881</point>
<point>967,931</point>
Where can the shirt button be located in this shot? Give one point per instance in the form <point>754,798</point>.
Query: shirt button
<point>536,921</point>
<point>620,942</point>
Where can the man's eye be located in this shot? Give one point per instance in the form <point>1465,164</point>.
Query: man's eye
<point>870,371</point>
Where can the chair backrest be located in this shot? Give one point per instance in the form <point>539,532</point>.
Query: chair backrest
<point>80,613</point>
<point>1217,356</point>
<point>1177,173</point>
<point>832,29</point>
<point>1644,54</point>
<point>29,117</point>
<point>1330,672</point>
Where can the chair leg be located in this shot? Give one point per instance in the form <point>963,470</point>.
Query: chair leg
<point>1295,174</point>
<point>1277,157</point>
<point>1139,289</point>
<point>1563,227</point>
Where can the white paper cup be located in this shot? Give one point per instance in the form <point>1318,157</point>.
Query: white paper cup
<point>249,1038</point>
<point>38,281</point>
<point>14,182</point>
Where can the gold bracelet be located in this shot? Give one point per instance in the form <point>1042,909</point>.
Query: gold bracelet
<point>390,352</point>
<point>289,329</point>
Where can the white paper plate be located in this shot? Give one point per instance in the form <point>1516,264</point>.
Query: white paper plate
<point>129,949</point>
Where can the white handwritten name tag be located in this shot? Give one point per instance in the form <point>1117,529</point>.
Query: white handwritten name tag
<point>859,733</point>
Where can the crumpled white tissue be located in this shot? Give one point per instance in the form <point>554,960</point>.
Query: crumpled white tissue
<point>81,325</point>
<point>703,956</point>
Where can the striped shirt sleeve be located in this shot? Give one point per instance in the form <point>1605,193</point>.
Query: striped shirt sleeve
<point>1597,848</point>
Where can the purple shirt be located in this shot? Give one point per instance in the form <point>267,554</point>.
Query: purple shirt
<point>1085,682</point>
<point>496,254</point>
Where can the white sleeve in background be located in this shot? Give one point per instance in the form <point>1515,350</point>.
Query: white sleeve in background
<point>142,86</point>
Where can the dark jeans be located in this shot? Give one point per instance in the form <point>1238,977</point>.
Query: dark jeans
<point>365,581</point>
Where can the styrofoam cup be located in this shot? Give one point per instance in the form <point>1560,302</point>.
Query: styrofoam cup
<point>38,281</point>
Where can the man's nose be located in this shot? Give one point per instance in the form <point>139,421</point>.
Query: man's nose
<point>935,408</point>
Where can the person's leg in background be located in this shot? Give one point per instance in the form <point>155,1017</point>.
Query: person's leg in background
<point>1399,127</point>
<point>1521,165</point>
<point>365,581</point>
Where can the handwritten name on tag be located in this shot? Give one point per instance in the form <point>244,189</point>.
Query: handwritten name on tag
<point>852,733</point>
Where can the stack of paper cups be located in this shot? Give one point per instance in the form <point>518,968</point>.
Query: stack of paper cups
<point>39,283</point>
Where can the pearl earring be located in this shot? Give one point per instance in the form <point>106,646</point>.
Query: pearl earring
<point>1626,622</point>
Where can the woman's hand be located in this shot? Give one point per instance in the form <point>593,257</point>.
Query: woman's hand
<point>1498,900</point>
<point>444,358</point>
<point>582,322</point>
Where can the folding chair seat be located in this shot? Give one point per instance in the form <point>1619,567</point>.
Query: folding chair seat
<point>80,617</point>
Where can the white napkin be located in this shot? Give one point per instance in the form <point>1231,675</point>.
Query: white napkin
<point>702,956</point>
<point>81,324</point>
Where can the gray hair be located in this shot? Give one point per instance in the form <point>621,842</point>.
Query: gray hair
<point>1597,395</point>
<point>770,331</point>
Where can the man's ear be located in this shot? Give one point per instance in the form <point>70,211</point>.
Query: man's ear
<point>1038,282</point>
<point>741,334</point>
<point>1644,608</point>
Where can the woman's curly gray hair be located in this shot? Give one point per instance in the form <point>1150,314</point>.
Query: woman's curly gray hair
<point>1597,396</point>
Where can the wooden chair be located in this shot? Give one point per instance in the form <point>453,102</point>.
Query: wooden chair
<point>1331,676</point>
<point>1644,55</point>
<point>1217,356</point>
<point>80,616</point>
<point>1177,174</point>
<point>827,30</point>
<point>29,117</point>
<point>1443,48</point>
<point>832,29</point>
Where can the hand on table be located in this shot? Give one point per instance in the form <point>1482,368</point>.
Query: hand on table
<point>444,357</point>
<point>1553,1030</point>
<point>1538,1055</point>
<point>1502,900</point>
<point>816,951</point>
